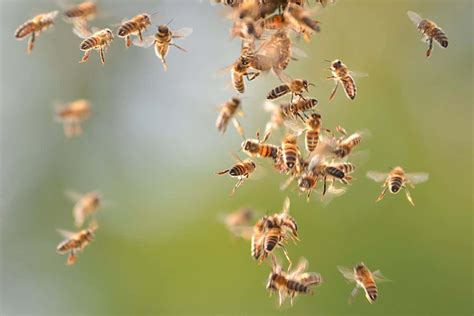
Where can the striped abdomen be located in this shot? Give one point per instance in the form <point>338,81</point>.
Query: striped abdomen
<point>274,22</point>
<point>128,28</point>
<point>305,105</point>
<point>290,154</point>
<point>268,151</point>
<point>371,290</point>
<point>25,29</point>
<point>256,247</point>
<point>237,81</point>
<point>297,287</point>
<point>272,239</point>
<point>222,121</point>
<point>311,139</point>
<point>349,86</point>
<point>278,92</point>
<point>83,10</point>
<point>91,42</point>
<point>395,183</point>
<point>439,35</point>
<point>346,167</point>
<point>238,170</point>
<point>335,172</point>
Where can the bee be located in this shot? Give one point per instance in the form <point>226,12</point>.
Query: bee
<point>241,170</point>
<point>298,107</point>
<point>277,117</point>
<point>364,279</point>
<point>99,40</point>
<point>134,26</point>
<point>85,205</point>
<point>162,41</point>
<point>35,26</point>
<point>76,242</point>
<point>274,231</point>
<point>324,3</point>
<point>228,112</point>
<point>290,151</point>
<point>311,127</point>
<point>239,222</point>
<point>72,114</point>
<point>295,87</point>
<point>275,22</point>
<point>430,31</point>
<point>342,75</point>
<point>79,16</point>
<point>258,148</point>
<point>292,283</point>
<point>247,29</point>
<point>397,179</point>
<point>300,18</point>
<point>340,147</point>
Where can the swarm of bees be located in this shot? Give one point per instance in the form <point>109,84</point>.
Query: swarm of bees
<point>308,153</point>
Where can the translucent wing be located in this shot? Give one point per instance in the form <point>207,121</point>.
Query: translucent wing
<point>310,278</point>
<point>270,106</point>
<point>66,234</point>
<point>315,159</point>
<point>183,32</point>
<point>147,41</point>
<point>296,126</point>
<point>414,17</point>
<point>379,277</point>
<point>377,176</point>
<point>347,273</point>
<point>80,29</point>
<point>331,192</point>
<point>73,195</point>
<point>298,52</point>
<point>418,177</point>
<point>358,74</point>
<point>52,14</point>
<point>300,268</point>
<point>286,206</point>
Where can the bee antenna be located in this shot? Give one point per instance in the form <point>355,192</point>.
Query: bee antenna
<point>154,13</point>
<point>169,22</point>
<point>311,84</point>
<point>329,61</point>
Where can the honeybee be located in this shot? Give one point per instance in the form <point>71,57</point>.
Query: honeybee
<point>292,283</point>
<point>80,15</point>
<point>290,151</point>
<point>295,87</point>
<point>99,40</point>
<point>35,26</point>
<point>324,3</point>
<point>300,18</point>
<point>430,31</point>
<point>228,112</point>
<point>163,39</point>
<point>396,179</point>
<point>258,148</point>
<point>76,242</point>
<point>239,222</point>
<point>298,107</point>
<point>247,29</point>
<point>342,75</point>
<point>274,231</point>
<point>241,170</point>
<point>340,147</point>
<point>311,127</point>
<point>364,279</point>
<point>72,115</point>
<point>134,26</point>
<point>241,68</point>
<point>275,22</point>
<point>277,117</point>
<point>85,205</point>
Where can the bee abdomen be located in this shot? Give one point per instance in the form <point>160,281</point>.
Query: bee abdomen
<point>127,28</point>
<point>237,170</point>
<point>395,184</point>
<point>312,139</point>
<point>269,151</point>
<point>372,292</point>
<point>238,82</point>
<point>290,154</point>
<point>270,243</point>
<point>335,172</point>
<point>349,86</point>
<point>89,43</point>
<point>24,29</point>
<point>278,92</point>
<point>297,287</point>
<point>440,37</point>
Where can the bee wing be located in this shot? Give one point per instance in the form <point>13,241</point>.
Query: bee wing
<point>298,52</point>
<point>183,32</point>
<point>414,17</point>
<point>52,14</point>
<point>300,268</point>
<point>377,176</point>
<point>73,195</point>
<point>314,160</point>
<point>379,277</point>
<point>347,273</point>
<point>270,106</point>
<point>66,234</point>
<point>310,278</point>
<point>147,41</point>
<point>358,74</point>
<point>331,193</point>
<point>417,177</point>
<point>295,125</point>
<point>80,29</point>
<point>286,206</point>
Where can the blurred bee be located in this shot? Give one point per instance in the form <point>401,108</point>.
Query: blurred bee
<point>277,117</point>
<point>430,31</point>
<point>80,15</point>
<point>71,115</point>
<point>300,18</point>
<point>247,29</point>
<point>76,242</point>
<point>290,151</point>
<point>295,87</point>
<point>297,108</point>
<point>163,39</point>
<point>311,127</point>
<point>239,222</point>
<point>324,3</point>
<point>99,40</point>
<point>85,205</point>
<point>340,147</point>
<point>240,69</point>
<point>258,148</point>
<point>275,22</point>
<point>241,170</point>
<point>134,26</point>
<point>364,279</point>
<point>274,231</point>
<point>292,283</point>
<point>396,179</point>
<point>228,112</point>
<point>35,26</point>
<point>342,75</point>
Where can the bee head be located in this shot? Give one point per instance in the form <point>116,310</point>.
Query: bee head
<point>109,33</point>
<point>271,281</point>
<point>89,235</point>
<point>163,29</point>
<point>146,18</point>
<point>316,116</point>
<point>336,64</point>
<point>250,145</point>
<point>236,101</point>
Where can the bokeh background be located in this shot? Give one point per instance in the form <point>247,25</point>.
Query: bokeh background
<point>152,150</point>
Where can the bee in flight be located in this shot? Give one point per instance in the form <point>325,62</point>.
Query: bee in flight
<point>85,205</point>
<point>298,107</point>
<point>340,147</point>
<point>397,179</point>
<point>80,15</point>
<point>76,242</point>
<point>430,31</point>
<point>311,127</point>
<point>342,75</point>
<point>295,87</point>
<point>134,26</point>
<point>241,170</point>
<point>258,148</point>
<point>99,40</point>
<point>239,222</point>
<point>72,115</point>
<point>291,284</point>
<point>163,39</point>
<point>35,26</point>
<point>290,151</point>
<point>229,111</point>
<point>364,279</point>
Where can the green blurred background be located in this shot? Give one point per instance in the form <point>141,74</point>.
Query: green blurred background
<point>152,150</point>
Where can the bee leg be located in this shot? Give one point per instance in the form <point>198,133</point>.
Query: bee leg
<point>31,42</point>
<point>179,47</point>
<point>324,186</point>
<point>333,93</point>
<point>102,56</point>
<point>353,295</point>
<point>237,185</point>
<point>86,56</point>
<point>287,256</point>
<point>430,48</point>
<point>128,41</point>
<point>140,36</point>
<point>220,173</point>
<point>71,259</point>
<point>380,197</point>
<point>409,196</point>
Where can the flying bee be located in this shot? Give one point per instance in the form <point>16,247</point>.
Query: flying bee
<point>290,151</point>
<point>240,69</point>
<point>241,170</point>
<point>228,112</point>
<point>295,87</point>
<point>275,22</point>
<point>311,127</point>
<point>162,41</point>
<point>342,75</point>
<point>297,108</point>
<point>247,29</point>
<point>76,242</point>
<point>134,26</point>
<point>300,18</point>
<point>80,15</point>
<point>239,222</point>
<point>324,3</point>
<point>99,40</point>
<point>396,179</point>
<point>340,147</point>
<point>35,26</point>
<point>258,148</point>
<point>430,31</point>
<point>72,115</point>
<point>292,283</point>
<point>85,205</point>
<point>364,279</point>
<point>277,117</point>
